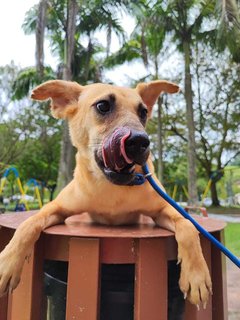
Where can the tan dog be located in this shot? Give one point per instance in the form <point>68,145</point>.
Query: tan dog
<point>107,128</point>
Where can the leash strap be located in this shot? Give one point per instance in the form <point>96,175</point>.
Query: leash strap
<point>138,180</point>
<point>205,233</point>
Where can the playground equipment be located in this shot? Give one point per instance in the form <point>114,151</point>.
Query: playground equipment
<point>22,190</point>
<point>19,184</point>
<point>175,189</point>
<point>180,184</point>
<point>36,190</point>
<point>215,176</point>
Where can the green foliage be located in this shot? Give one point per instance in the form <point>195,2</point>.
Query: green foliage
<point>10,140</point>
<point>130,51</point>
<point>33,140</point>
<point>184,20</point>
<point>41,158</point>
<point>216,110</point>
<point>232,178</point>
<point>7,75</point>
<point>29,23</point>
<point>34,149</point>
<point>92,17</point>
<point>105,15</point>
<point>232,232</point>
<point>27,79</point>
<point>85,67</point>
<point>236,161</point>
<point>29,136</point>
<point>146,40</point>
<point>228,31</point>
<point>30,139</point>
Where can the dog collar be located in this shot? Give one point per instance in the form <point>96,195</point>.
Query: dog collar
<point>139,179</point>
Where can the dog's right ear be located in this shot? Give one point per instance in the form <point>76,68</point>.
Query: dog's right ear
<point>63,94</point>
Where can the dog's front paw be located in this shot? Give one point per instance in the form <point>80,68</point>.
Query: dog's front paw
<point>10,271</point>
<point>195,281</point>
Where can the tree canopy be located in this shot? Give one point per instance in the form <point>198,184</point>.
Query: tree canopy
<point>195,44</point>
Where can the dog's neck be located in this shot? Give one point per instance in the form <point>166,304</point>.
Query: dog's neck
<point>82,166</point>
<point>84,175</point>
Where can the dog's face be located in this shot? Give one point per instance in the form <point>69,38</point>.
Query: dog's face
<point>107,123</point>
<point>113,123</point>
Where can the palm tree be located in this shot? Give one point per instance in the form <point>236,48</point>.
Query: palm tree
<point>40,29</point>
<point>66,162</point>
<point>157,21</point>
<point>147,44</point>
<point>77,62</point>
<point>151,36</point>
<point>102,17</point>
<point>180,20</point>
<point>228,28</point>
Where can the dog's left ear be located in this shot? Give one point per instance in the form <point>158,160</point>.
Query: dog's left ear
<point>150,91</point>
<point>63,94</point>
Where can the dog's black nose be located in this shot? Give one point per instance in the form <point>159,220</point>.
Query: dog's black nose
<point>137,147</point>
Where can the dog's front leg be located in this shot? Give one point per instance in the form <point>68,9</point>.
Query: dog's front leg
<point>13,256</point>
<point>195,281</point>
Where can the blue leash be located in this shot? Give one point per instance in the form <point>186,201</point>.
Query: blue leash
<point>140,179</point>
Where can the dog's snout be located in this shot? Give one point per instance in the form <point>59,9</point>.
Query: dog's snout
<point>137,147</point>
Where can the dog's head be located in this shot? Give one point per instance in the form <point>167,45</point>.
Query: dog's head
<point>107,123</point>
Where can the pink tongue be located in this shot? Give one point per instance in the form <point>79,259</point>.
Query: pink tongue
<point>122,147</point>
<point>113,150</point>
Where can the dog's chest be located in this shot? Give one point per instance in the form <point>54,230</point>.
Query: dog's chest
<point>115,219</point>
<point>116,208</point>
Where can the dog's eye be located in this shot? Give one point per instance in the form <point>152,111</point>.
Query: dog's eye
<point>103,107</point>
<point>143,112</point>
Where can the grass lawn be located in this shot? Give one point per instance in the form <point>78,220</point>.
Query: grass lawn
<point>232,238</point>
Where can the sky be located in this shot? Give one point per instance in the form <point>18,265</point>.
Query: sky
<point>20,48</point>
<point>15,45</point>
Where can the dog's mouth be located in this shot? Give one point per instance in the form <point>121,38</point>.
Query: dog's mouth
<point>113,159</point>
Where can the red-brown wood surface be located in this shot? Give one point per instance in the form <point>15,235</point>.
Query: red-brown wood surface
<point>151,280</point>
<point>5,304</point>
<point>219,274</point>
<point>117,251</point>
<point>145,244</point>
<point>83,279</point>
<point>23,303</point>
<point>81,225</point>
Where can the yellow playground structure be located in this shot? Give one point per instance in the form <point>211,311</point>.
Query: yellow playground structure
<point>23,191</point>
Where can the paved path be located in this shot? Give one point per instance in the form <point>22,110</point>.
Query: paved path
<point>227,218</point>
<point>233,291</point>
<point>233,275</point>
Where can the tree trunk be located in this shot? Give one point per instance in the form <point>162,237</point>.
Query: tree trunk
<point>160,141</point>
<point>214,195</point>
<point>192,177</point>
<point>40,28</point>
<point>65,173</point>
<point>66,165</point>
<point>70,39</point>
